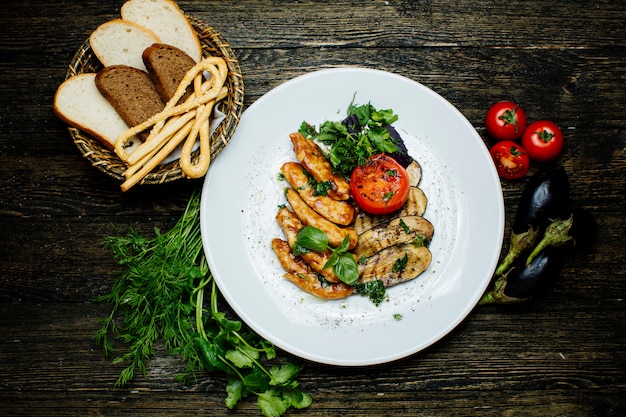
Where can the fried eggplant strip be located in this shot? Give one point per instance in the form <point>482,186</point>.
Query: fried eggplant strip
<point>291,225</point>
<point>312,158</point>
<point>340,212</point>
<point>309,217</point>
<point>299,273</point>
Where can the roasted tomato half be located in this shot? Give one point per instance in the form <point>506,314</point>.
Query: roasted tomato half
<point>381,185</point>
<point>511,160</point>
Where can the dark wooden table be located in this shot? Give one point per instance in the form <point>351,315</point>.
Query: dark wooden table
<point>562,355</point>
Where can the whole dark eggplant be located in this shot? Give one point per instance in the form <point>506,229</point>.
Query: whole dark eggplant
<point>533,275</point>
<point>545,197</point>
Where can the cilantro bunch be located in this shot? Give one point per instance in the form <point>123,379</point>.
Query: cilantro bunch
<point>159,298</point>
<point>365,132</point>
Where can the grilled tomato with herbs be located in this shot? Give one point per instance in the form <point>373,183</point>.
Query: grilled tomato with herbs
<point>381,185</point>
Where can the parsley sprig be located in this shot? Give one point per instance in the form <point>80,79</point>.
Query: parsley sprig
<point>363,133</point>
<point>158,298</point>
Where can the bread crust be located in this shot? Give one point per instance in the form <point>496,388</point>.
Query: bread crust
<point>167,66</point>
<point>167,21</point>
<point>130,91</point>
<point>121,42</point>
<point>101,121</point>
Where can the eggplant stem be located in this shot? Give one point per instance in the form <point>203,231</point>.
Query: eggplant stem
<point>520,243</point>
<point>496,294</point>
<point>556,234</point>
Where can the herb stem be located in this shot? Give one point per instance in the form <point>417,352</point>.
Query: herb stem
<point>159,297</point>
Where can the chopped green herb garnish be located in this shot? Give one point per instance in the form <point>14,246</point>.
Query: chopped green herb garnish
<point>421,241</point>
<point>353,142</point>
<point>388,196</point>
<point>374,290</point>
<point>322,188</point>
<point>404,226</point>
<point>400,264</point>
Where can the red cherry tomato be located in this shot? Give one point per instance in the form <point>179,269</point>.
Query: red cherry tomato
<point>511,159</point>
<point>505,121</point>
<point>543,140</point>
<point>381,185</point>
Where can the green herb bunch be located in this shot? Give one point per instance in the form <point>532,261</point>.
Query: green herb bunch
<point>159,298</point>
<point>361,135</point>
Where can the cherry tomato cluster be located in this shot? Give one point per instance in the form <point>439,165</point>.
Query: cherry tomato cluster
<point>541,141</point>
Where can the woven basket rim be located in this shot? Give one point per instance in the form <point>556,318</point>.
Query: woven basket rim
<point>105,159</point>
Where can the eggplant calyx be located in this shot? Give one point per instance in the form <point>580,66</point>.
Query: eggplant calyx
<point>497,296</point>
<point>556,234</point>
<point>520,243</point>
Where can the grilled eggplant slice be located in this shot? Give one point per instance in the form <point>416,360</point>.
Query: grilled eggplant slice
<point>395,264</point>
<point>401,230</point>
<point>415,206</point>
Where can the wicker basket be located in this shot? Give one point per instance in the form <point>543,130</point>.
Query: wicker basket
<point>107,161</point>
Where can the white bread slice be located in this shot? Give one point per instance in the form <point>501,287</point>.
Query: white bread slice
<point>79,104</point>
<point>167,21</point>
<point>120,42</point>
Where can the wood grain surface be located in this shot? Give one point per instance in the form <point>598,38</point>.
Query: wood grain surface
<point>561,355</point>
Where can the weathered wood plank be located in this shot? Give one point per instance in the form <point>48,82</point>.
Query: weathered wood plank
<point>564,354</point>
<point>542,367</point>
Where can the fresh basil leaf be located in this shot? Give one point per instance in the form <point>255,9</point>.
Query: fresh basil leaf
<point>312,238</point>
<point>345,244</point>
<point>298,249</point>
<point>332,261</point>
<point>347,269</point>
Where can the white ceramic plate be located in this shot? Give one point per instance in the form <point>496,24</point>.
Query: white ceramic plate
<point>241,195</point>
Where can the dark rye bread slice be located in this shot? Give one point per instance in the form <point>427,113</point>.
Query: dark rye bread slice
<point>167,66</point>
<point>130,91</point>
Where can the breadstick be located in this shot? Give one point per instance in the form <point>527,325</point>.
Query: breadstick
<point>132,169</point>
<point>215,66</point>
<point>156,136</point>
<point>201,125</point>
<point>157,141</point>
<point>162,154</point>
